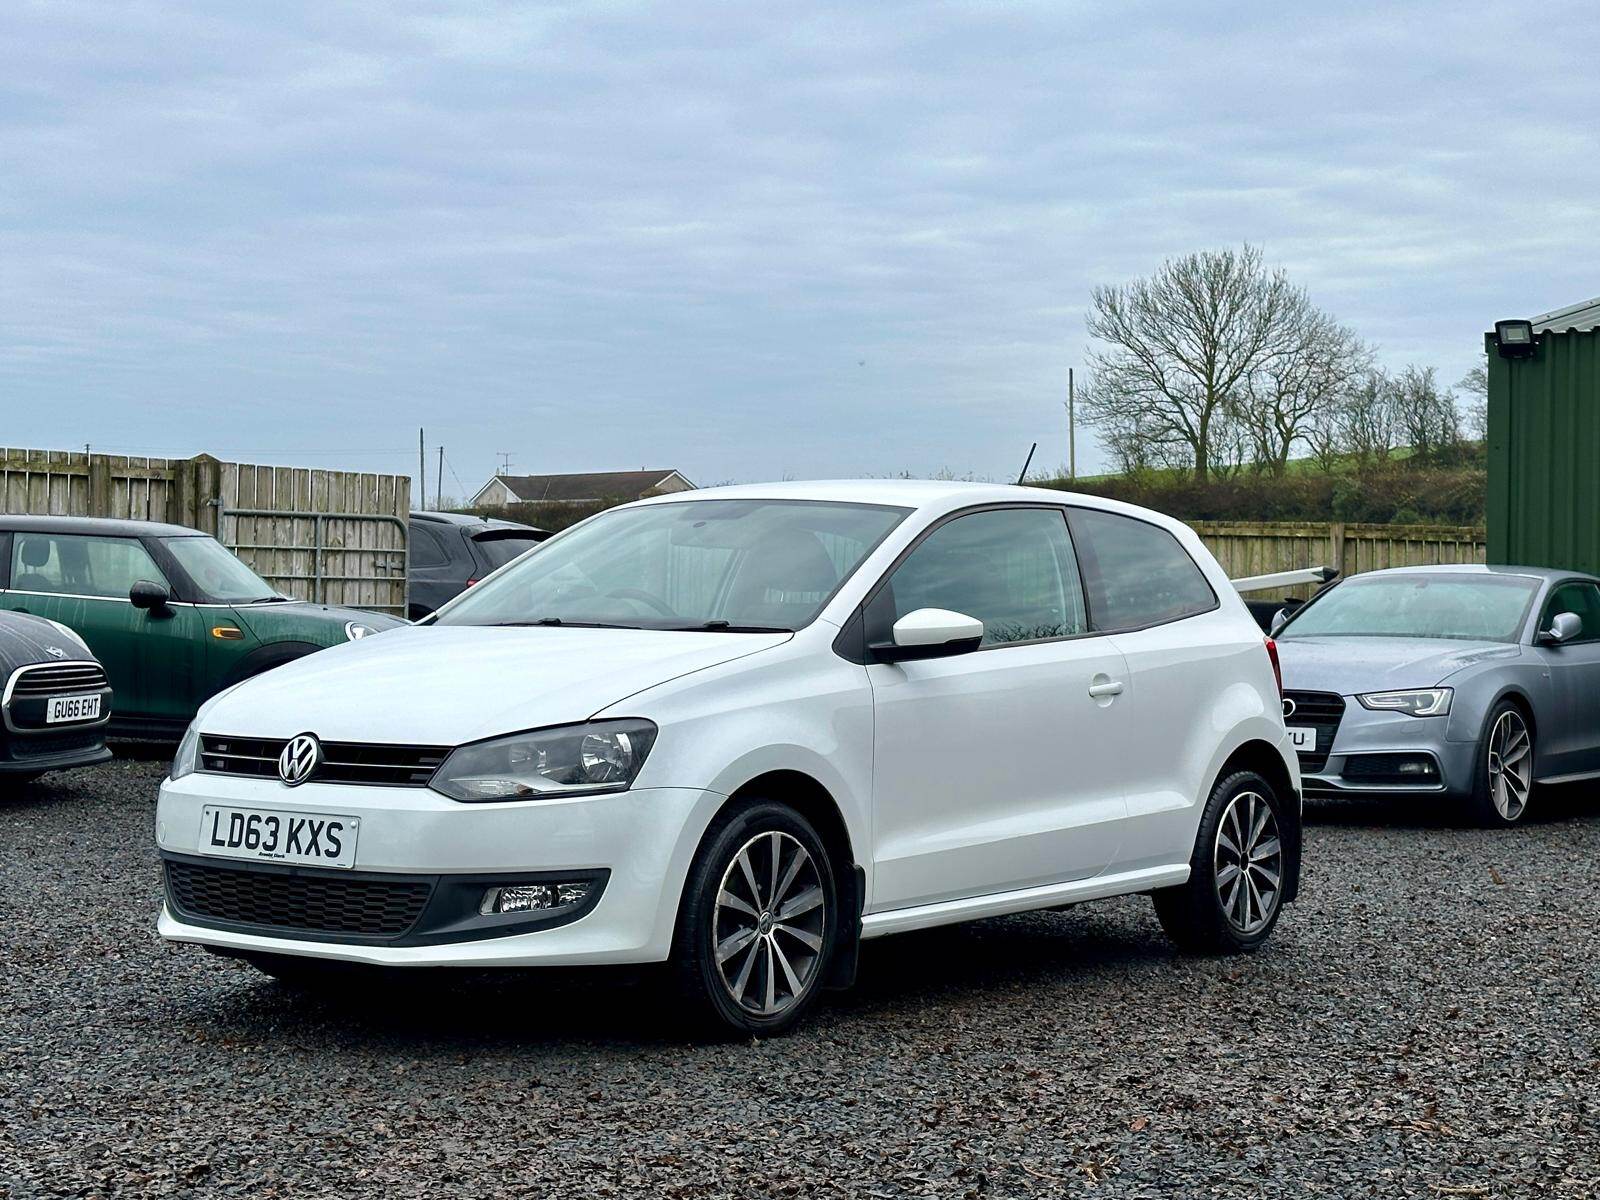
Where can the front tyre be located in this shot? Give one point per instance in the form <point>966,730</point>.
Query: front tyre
<point>759,920</point>
<point>1503,784</point>
<point>1236,875</point>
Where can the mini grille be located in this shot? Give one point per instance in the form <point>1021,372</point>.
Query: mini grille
<point>302,903</point>
<point>374,764</point>
<point>58,679</point>
<point>1322,711</point>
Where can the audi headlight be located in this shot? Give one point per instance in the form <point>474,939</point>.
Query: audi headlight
<point>183,762</point>
<point>570,760</point>
<point>1423,702</point>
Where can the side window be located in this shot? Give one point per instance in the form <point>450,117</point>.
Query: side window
<point>82,566</point>
<point>1136,573</point>
<point>1013,569</point>
<point>1583,599</point>
<point>426,549</point>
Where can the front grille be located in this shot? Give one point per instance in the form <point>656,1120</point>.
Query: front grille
<point>58,679</point>
<point>320,904</point>
<point>373,764</point>
<point>1322,711</point>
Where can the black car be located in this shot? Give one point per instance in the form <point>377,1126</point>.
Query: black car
<point>56,702</point>
<point>452,551</point>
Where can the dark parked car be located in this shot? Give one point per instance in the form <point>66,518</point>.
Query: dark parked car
<point>56,702</point>
<point>452,551</point>
<point>172,615</point>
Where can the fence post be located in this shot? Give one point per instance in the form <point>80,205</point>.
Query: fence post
<point>1336,535</point>
<point>100,486</point>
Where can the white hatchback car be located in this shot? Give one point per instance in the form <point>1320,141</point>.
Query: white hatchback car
<point>744,729</point>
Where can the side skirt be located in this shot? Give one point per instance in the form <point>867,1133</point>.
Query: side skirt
<point>999,904</point>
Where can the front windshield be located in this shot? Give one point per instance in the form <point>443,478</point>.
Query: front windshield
<point>1479,608</point>
<point>694,564</point>
<point>217,573</point>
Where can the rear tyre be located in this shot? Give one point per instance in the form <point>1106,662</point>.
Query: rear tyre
<point>1235,890</point>
<point>759,921</point>
<point>1503,783</point>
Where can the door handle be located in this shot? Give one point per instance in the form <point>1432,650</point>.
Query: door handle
<point>1102,686</point>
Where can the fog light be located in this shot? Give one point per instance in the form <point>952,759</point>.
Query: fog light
<point>1414,766</point>
<point>534,897</point>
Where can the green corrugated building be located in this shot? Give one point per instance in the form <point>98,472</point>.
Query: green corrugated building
<point>1544,439</point>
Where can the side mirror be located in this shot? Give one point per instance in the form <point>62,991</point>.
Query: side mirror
<point>149,595</point>
<point>1279,620</point>
<point>1563,628</point>
<point>930,633</point>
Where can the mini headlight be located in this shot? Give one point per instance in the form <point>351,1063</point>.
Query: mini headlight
<point>569,760</point>
<point>183,762</point>
<point>1423,702</point>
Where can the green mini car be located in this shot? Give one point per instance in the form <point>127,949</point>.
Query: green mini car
<point>172,615</point>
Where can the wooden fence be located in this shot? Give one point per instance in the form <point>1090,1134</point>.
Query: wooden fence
<point>334,536</point>
<point>1260,548</point>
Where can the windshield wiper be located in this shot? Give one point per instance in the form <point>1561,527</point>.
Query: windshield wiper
<point>272,600</point>
<point>730,627</point>
<point>554,621</point>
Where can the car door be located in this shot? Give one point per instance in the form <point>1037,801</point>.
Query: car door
<point>1569,728</point>
<point>1000,768</point>
<point>83,582</point>
<point>1152,600</point>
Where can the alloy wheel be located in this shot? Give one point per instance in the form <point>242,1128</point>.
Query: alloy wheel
<point>1248,863</point>
<point>1510,764</point>
<point>768,926</point>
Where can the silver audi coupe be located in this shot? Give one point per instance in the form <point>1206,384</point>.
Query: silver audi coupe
<point>1467,684</point>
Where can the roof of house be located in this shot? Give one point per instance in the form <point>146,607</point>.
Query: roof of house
<point>591,485</point>
<point>1578,317</point>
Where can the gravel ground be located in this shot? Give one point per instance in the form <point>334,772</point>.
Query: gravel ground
<point>1423,1024</point>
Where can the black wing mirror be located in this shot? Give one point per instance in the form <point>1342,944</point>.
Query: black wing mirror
<point>149,595</point>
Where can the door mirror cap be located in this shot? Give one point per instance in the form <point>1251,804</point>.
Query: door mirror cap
<point>930,633</point>
<point>1279,620</point>
<point>149,595</point>
<point>1563,628</point>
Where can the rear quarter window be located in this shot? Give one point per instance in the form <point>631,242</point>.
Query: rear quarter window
<point>1136,574</point>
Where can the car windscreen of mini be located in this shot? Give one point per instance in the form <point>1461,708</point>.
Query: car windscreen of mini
<point>1479,608</point>
<point>221,577</point>
<point>736,565</point>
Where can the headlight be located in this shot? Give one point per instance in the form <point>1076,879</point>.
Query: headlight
<point>1425,702</point>
<point>355,630</point>
<point>571,760</point>
<point>188,749</point>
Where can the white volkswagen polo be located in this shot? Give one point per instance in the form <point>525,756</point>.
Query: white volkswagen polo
<point>743,730</point>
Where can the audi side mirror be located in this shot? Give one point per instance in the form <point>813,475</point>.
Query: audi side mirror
<point>149,595</point>
<point>1279,620</point>
<point>930,633</point>
<point>1563,628</point>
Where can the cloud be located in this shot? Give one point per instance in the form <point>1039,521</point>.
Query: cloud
<point>613,235</point>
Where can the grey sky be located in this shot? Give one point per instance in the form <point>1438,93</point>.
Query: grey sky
<point>743,240</point>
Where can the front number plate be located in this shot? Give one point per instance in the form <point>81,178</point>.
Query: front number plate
<point>1303,738</point>
<point>310,839</point>
<point>65,709</point>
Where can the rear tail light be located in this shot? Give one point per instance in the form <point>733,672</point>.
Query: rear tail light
<point>1277,669</point>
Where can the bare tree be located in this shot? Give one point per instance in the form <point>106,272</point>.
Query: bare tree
<point>1364,418</point>
<point>1475,383</point>
<point>1281,401</point>
<point>1182,343</point>
<point>1425,414</point>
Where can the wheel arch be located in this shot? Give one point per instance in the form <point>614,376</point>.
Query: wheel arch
<point>1264,759</point>
<point>264,658</point>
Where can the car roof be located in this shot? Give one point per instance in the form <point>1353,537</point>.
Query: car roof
<point>94,526</point>
<point>1548,574</point>
<point>470,520</point>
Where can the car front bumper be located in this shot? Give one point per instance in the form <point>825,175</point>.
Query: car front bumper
<point>1367,742</point>
<point>635,847</point>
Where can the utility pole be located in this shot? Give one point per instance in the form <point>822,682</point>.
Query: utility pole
<point>505,462</point>
<point>438,482</point>
<point>1072,429</point>
<point>422,468</point>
